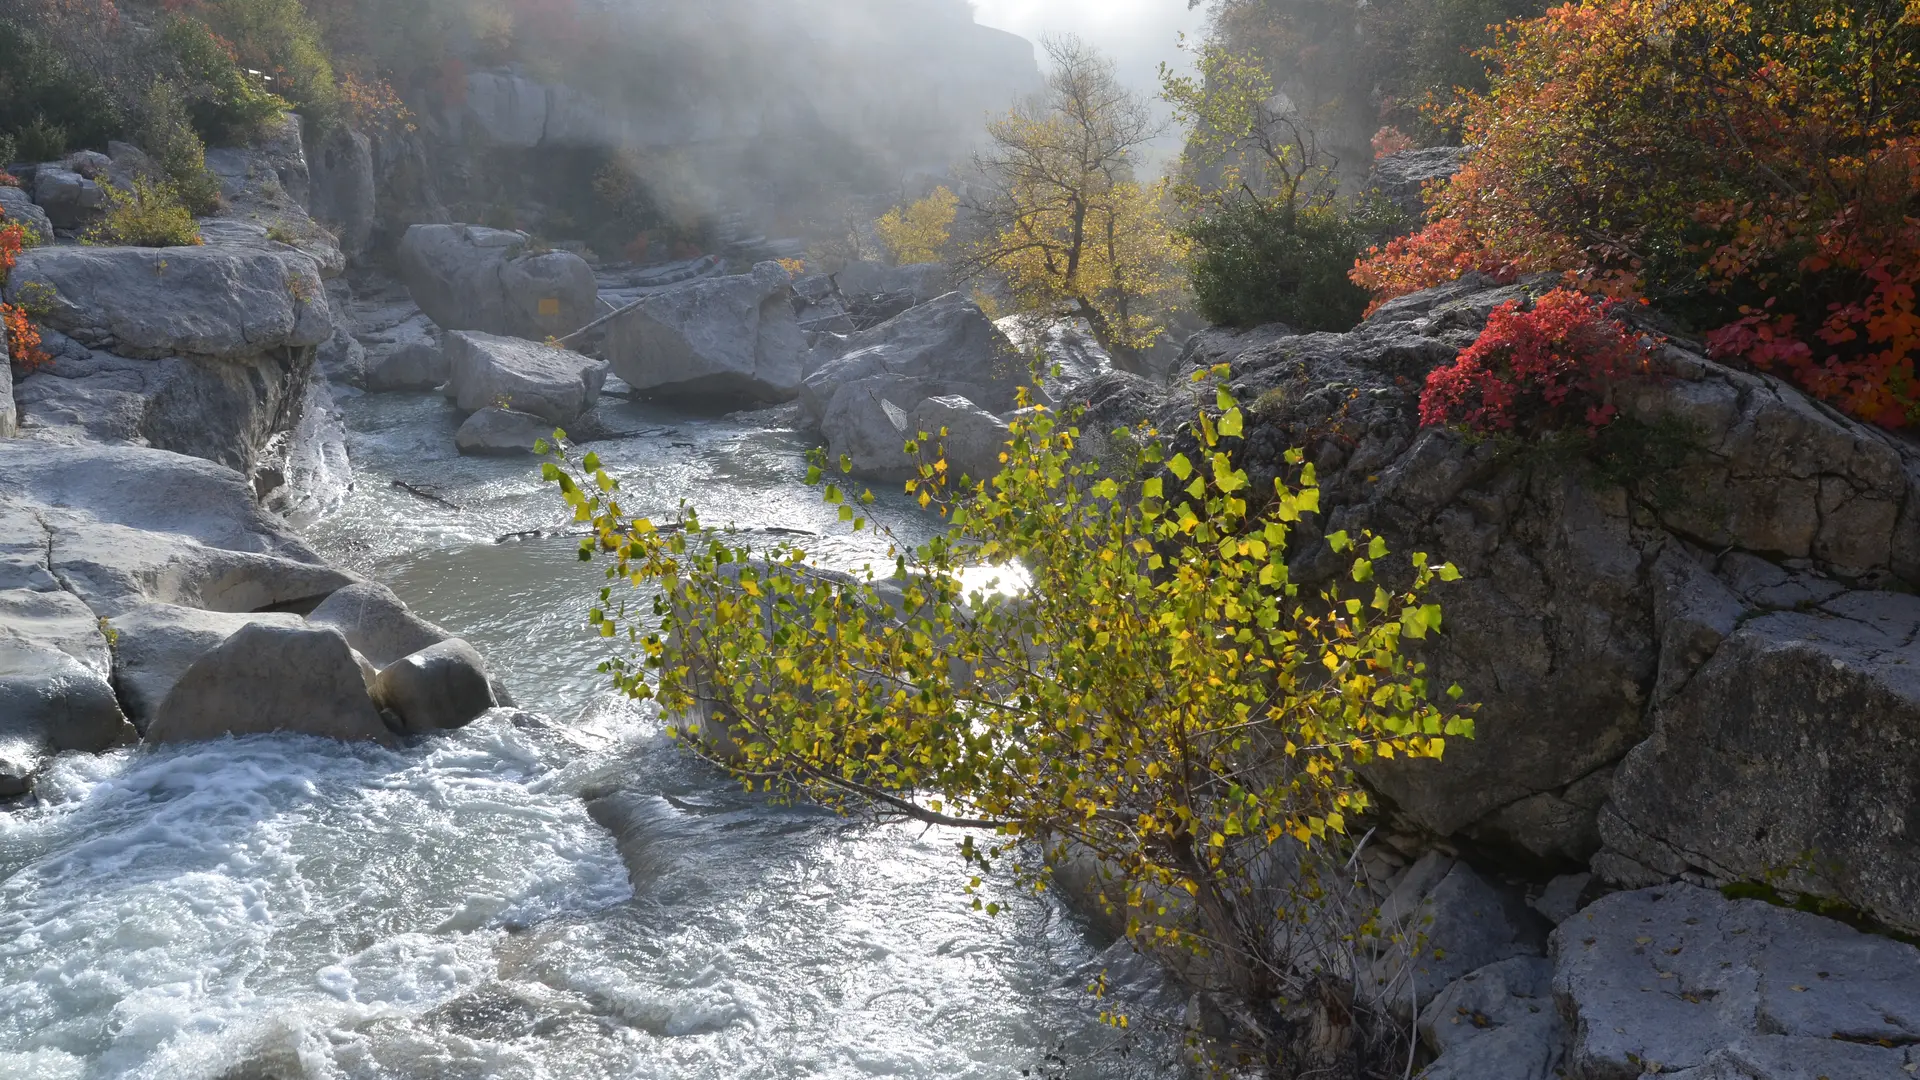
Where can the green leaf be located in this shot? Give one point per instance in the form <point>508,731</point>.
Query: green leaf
<point>1339,541</point>
<point>1151,489</point>
<point>1231,423</point>
<point>591,462</point>
<point>1377,549</point>
<point>1106,489</point>
<point>1180,467</point>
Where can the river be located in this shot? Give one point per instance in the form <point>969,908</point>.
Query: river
<point>281,907</point>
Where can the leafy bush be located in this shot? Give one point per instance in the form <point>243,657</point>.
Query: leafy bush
<point>22,337</point>
<point>226,104</point>
<point>1751,166</point>
<point>151,215</point>
<point>1259,261</point>
<point>169,138</point>
<point>279,38</point>
<point>1162,697</point>
<point>48,105</point>
<point>1548,369</point>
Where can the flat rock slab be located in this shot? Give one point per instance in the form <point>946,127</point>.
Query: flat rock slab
<point>1668,979</point>
<point>486,371</point>
<point>215,301</point>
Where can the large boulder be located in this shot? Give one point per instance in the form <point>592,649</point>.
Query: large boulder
<point>155,644</point>
<point>1588,606</point>
<point>728,339</point>
<point>376,623</point>
<point>69,199</point>
<point>217,301</point>
<point>497,432</point>
<point>1496,1023</point>
<point>485,371</point>
<point>265,679</point>
<point>947,347</point>
<point>871,431</point>
<point>470,278</point>
<point>439,688</point>
<point>1676,979</point>
<point>415,365</point>
<point>503,110</point>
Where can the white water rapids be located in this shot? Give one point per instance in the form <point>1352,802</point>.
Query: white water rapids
<point>281,907</point>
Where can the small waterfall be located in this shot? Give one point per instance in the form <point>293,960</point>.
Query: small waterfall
<point>319,474</point>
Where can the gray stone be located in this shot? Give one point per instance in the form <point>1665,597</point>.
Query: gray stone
<point>486,371</point>
<point>222,302</point>
<point>69,199</point>
<point>1788,758</point>
<point>343,191</point>
<point>728,339</point>
<point>470,278</point>
<point>1459,924</point>
<point>416,365</point>
<point>16,206</point>
<point>271,679</point>
<point>1402,177</point>
<point>376,623</point>
<point>1669,979</point>
<point>1561,898</point>
<point>9,409</point>
<point>944,347</point>
<point>504,110</point>
<point>501,432</point>
<point>157,643</point>
<point>1496,1023</point>
<point>439,688</point>
<point>970,438</point>
<point>56,692</point>
<point>1781,1057</point>
<point>342,360</point>
<point>923,281</point>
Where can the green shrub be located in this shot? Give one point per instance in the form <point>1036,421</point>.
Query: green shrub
<point>151,215</point>
<point>168,137</point>
<point>226,104</point>
<point>7,147</point>
<point>48,106</point>
<point>279,38</point>
<point>1258,261</point>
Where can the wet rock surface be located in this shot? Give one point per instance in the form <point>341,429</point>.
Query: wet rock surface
<point>723,340</point>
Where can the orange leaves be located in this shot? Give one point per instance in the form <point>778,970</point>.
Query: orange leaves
<point>23,338</point>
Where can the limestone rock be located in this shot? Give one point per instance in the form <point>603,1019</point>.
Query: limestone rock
<point>727,339</point>
<point>216,301</point>
<point>342,360</point>
<point>271,679</point>
<point>343,190</point>
<point>1457,922</point>
<point>69,199</point>
<point>501,432</point>
<point>485,370</point>
<point>1403,176</point>
<point>223,410</point>
<point>922,281</point>
<point>1496,1023</point>
<point>470,278</point>
<point>1679,978</point>
<point>946,347</point>
<point>157,643</point>
<point>1797,737</point>
<point>9,410</point>
<point>439,688</point>
<point>376,623</point>
<point>416,365</point>
<point>974,438</point>
<point>17,206</point>
<point>55,688</point>
<point>504,110</point>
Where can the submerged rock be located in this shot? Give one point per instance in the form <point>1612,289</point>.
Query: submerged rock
<point>263,679</point>
<point>728,339</point>
<point>501,432</point>
<point>487,371</point>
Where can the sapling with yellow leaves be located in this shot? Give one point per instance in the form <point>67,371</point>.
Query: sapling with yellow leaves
<point>1164,697</point>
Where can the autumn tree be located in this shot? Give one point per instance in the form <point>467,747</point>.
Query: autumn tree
<point>1060,217</point>
<point>1752,167</point>
<point>1164,699</point>
<point>918,232</point>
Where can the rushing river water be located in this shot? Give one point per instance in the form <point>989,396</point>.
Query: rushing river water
<point>281,907</point>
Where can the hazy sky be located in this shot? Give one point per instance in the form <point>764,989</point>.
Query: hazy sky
<point>1138,34</point>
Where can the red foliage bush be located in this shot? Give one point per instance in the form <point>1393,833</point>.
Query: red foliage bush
<point>1546,369</point>
<point>23,338</point>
